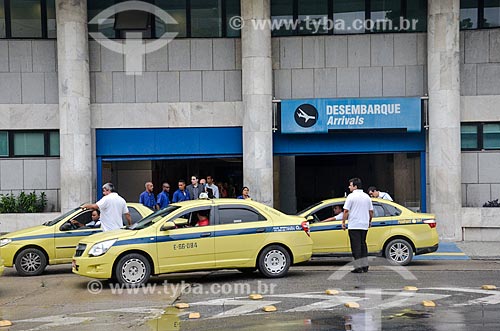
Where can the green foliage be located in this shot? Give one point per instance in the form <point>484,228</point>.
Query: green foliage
<point>23,203</point>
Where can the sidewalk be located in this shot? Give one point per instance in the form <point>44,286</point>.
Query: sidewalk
<point>464,250</point>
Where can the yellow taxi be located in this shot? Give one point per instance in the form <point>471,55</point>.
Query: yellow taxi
<point>53,242</point>
<point>197,235</point>
<point>397,233</point>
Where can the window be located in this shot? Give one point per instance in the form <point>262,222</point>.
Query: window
<point>281,13</point>
<point>94,7</point>
<point>177,10</point>
<point>480,136</point>
<point>238,215</point>
<point>491,136</point>
<point>378,211</point>
<point>29,143</point>
<point>313,16</point>
<point>416,11</point>
<point>469,135</point>
<point>26,19</point>
<point>385,14</point>
<point>51,19</point>
<point>4,143</point>
<point>232,9</point>
<point>468,14</point>
<point>348,12</point>
<point>391,210</point>
<point>2,20</point>
<point>134,214</point>
<point>206,18</point>
<point>491,13</point>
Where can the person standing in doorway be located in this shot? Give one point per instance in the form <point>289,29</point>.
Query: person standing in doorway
<point>358,209</point>
<point>164,197</point>
<point>195,188</point>
<point>244,193</point>
<point>112,208</point>
<point>147,198</point>
<point>214,194</point>
<point>181,194</point>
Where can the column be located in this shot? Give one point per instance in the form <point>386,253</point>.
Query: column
<point>74,103</point>
<point>444,116</point>
<point>257,101</point>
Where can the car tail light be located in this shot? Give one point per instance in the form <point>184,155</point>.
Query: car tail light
<point>305,227</point>
<point>431,223</point>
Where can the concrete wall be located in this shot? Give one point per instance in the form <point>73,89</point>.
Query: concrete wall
<point>480,224</point>
<point>378,65</point>
<point>187,70</point>
<point>480,90</point>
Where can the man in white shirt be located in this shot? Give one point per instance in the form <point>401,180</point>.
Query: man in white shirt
<point>358,209</point>
<point>112,207</point>
<point>211,186</point>
<point>374,193</point>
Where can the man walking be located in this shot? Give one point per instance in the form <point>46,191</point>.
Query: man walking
<point>147,198</point>
<point>112,207</point>
<point>358,209</point>
<point>164,196</point>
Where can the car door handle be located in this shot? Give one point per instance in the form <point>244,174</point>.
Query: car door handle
<point>260,230</point>
<point>206,234</point>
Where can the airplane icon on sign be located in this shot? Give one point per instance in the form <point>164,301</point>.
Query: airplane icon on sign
<point>302,114</point>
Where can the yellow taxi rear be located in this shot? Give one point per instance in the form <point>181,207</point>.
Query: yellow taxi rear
<point>396,232</point>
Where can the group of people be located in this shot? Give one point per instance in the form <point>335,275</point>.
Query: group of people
<point>204,188</point>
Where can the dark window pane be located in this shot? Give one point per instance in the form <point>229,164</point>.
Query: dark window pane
<point>238,215</point>
<point>313,16</point>
<point>416,14</point>
<point>206,18</point>
<point>469,136</point>
<point>491,13</point>
<point>232,9</point>
<point>2,20</point>
<point>385,15</point>
<point>378,211</point>
<point>349,16</point>
<point>134,214</point>
<point>468,14</point>
<point>51,19</point>
<point>491,136</point>
<point>391,210</point>
<point>54,144</point>
<point>4,143</point>
<point>176,9</point>
<point>26,19</point>
<point>281,14</point>
<point>106,27</point>
<point>29,143</point>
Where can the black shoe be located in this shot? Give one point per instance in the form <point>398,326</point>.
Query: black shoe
<point>357,271</point>
<point>364,269</point>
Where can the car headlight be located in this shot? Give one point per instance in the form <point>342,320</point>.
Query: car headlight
<point>101,248</point>
<point>5,241</point>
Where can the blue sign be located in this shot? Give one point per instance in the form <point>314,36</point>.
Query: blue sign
<point>323,115</point>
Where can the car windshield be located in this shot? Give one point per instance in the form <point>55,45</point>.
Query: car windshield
<point>56,220</point>
<point>153,218</point>
<point>310,207</point>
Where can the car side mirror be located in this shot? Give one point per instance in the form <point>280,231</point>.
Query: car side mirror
<point>168,226</point>
<point>310,219</point>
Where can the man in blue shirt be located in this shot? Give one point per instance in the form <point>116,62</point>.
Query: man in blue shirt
<point>181,194</point>
<point>147,198</point>
<point>164,196</point>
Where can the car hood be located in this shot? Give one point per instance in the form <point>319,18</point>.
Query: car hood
<point>32,231</point>
<point>103,236</point>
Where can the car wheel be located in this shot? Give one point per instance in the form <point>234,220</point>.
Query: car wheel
<point>399,252</point>
<point>247,271</point>
<point>30,262</point>
<point>274,261</point>
<point>133,270</point>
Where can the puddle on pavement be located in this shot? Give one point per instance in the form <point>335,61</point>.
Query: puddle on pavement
<point>168,321</point>
<point>412,314</point>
